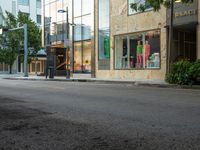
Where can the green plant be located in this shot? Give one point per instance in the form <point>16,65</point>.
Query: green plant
<point>179,73</point>
<point>194,71</point>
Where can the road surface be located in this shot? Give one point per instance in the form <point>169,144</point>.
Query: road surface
<point>45,115</point>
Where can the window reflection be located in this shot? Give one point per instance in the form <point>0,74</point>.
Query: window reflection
<point>77,57</point>
<point>86,26</point>
<point>87,6</point>
<point>56,27</point>
<point>86,56</point>
<point>77,8</point>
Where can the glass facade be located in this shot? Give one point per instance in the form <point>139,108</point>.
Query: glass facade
<point>141,50</point>
<point>81,13</point>
<point>55,23</point>
<point>104,29</point>
<point>84,26</point>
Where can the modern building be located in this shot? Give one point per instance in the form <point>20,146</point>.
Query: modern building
<point>33,8</point>
<point>110,40</point>
<point>78,35</point>
<point>38,64</point>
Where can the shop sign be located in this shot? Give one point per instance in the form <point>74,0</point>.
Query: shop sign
<point>185,13</point>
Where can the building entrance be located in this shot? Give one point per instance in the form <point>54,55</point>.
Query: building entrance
<point>184,43</point>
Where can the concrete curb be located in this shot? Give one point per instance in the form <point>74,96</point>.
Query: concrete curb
<point>135,83</point>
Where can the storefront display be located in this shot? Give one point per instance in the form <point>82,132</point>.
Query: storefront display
<point>104,30</point>
<point>139,54</point>
<point>138,51</point>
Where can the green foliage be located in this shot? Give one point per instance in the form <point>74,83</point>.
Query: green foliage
<point>10,55</point>
<point>34,32</point>
<point>12,41</point>
<point>184,73</point>
<point>194,72</point>
<point>155,4</point>
<point>2,55</point>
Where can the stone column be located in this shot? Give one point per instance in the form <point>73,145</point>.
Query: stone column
<point>198,32</point>
<point>198,41</point>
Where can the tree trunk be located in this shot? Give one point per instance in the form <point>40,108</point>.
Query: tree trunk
<point>10,71</point>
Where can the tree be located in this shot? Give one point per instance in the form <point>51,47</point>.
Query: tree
<point>155,4</point>
<point>9,42</point>
<point>34,32</point>
<point>13,41</point>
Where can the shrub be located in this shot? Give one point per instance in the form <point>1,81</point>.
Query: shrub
<point>179,73</point>
<point>194,71</point>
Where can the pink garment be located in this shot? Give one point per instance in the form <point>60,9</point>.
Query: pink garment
<point>139,60</point>
<point>147,52</point>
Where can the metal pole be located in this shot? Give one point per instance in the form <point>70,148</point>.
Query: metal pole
<point>67,48</point>
<point>170,35</point>
<point>72,51</point>
<point>25,50</point>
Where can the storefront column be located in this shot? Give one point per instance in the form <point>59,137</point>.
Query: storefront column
<point>198,41</point>
<point>3,67</point>
<point>21,68</point>
<point>198,32</point>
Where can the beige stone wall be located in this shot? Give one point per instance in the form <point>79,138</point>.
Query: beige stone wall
<point>121,23</point>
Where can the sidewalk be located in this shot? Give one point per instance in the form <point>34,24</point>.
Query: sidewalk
<point>153,83</point>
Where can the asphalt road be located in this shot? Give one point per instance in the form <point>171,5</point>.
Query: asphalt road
<point>92,116</point>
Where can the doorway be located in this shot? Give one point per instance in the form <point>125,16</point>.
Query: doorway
<point>184,46</point>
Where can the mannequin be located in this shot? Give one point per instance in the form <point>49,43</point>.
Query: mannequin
<point>139,54</point>
<point>147,52</point>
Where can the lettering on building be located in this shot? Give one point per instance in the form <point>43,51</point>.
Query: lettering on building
<point>185,13</point>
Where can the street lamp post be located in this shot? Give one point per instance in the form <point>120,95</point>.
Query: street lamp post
<point>67,48</point>
<point>171,28</point>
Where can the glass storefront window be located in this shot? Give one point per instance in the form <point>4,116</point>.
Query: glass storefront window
<point>77,57</point>
<point>81,13</point>
<point>86,27</point>
<point>87,56</point>
<point>139,51</point>
<point>78,29</point>
<point>122,52</point>
<point>104,29</point>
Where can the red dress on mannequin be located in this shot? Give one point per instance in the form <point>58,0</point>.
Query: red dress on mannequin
<point>147,52</point>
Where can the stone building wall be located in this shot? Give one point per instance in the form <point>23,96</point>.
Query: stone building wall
<point>121,23</point>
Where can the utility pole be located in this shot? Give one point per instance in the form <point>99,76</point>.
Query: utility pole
<point>67,40</point>
<point>25,50</point>
<point>171,35</point>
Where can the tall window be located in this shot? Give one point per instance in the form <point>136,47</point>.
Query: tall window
<point>83,18</point>
<point>23,2</point>
<point>104,29</point>
<point>39,19</point>
<point>38,4</point>
<point>138,2</point>
<point>141,50</point>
